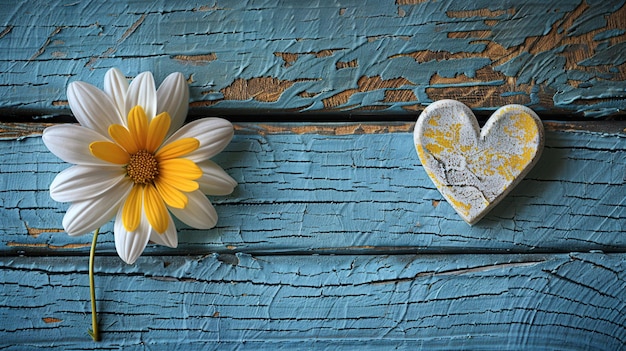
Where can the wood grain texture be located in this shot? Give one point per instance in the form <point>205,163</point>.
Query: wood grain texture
<point>433,302</point>
<point>388,58</point>
<point>350,188</point>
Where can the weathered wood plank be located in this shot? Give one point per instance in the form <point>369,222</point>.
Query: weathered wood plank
<point>350,188</point>
<point>387,57</point>
<point>487,302</point>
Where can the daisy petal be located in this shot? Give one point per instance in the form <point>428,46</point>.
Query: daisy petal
<point>92,107</point>
<point>122,136</point>
<point>79,183</point>
<point>109,152</point>
<point>172,196</point>
<point>131,211</point>
<point>173,98</point>
<point>180,167</point>
<point>180,183</point>
<point>178,148</point>
<point>142,92</point>
<point>138,126</point>
<point>157,130</point>
<point>70,143</point>
<point>85,216</point>
<point>130,245</point>
<point>212,133</point>
<point>155,209</point>
<point>199,212</point>
<point>116,86</point>
<point>214,180</point>
<point>169,238</point>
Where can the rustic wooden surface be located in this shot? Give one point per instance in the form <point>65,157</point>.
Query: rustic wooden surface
<point>486,302</point>
<point>335,237</point>
<point>258,58</point>
<point>352,188</point>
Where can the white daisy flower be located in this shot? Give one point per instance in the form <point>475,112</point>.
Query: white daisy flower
<point>134,160</point>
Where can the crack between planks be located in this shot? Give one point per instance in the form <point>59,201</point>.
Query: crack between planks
<point>354,251</point>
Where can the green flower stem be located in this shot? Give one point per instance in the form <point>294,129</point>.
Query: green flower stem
<point>94,332</point>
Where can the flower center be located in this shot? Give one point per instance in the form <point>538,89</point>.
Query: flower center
<point>142,167</point>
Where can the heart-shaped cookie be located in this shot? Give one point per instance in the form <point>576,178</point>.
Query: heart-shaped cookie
<point>473,168</point>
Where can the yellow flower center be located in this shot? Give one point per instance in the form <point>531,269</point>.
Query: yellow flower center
<point>143,167</point>
<point>161,175</point>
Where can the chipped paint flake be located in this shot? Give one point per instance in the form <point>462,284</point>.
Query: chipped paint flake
<point>196,60</point>
<point>35,232</point>
<point>6,31</point>
<point>365,84</point>
<point>347,64</point>
<point>265,89</point>
<point>132,28</point>
<point>46,246</point>
<point>473,168</point>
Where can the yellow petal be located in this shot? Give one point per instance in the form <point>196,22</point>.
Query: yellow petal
<point>179,183</point>
<point>155,209</point>
<point>178,148</point>
<point>172,196</point>
<point>138,126</point>
<point>110,152</point>
<point>179,168</point>
<point>131,213</point>
<point>122,136</point>
<point>157,130</point>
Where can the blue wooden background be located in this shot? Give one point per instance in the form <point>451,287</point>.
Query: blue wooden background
<point>558,56</point>
<point>334,238</point>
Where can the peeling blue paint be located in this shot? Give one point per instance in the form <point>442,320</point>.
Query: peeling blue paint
<point>79,41</point>
<point>371,302</point>
<point>317,243</point>
<point>318,193</point>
